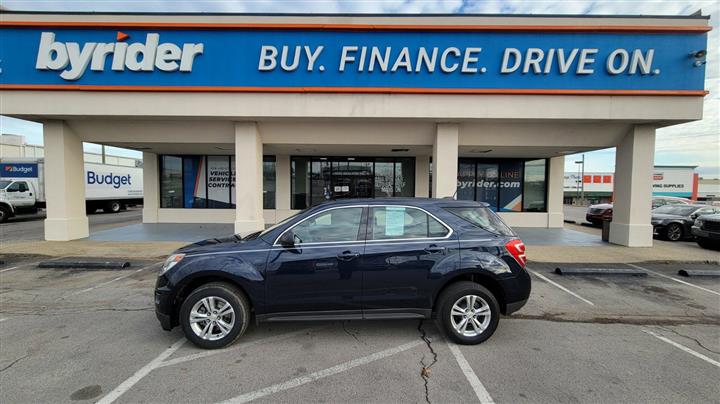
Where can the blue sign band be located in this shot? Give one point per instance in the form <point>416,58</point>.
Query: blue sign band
<point>276,59</point>
<point>19,170</point>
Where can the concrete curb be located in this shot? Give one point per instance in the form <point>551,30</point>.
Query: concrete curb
<point>85,264</point>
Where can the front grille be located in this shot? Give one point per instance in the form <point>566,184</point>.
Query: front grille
<point>712,226</point>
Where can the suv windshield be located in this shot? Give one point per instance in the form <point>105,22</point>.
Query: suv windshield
<point>680,210</point>
<point>4,184</point>
<point>483,218</point>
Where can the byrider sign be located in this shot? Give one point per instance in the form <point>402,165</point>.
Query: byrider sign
<point>533,60</point>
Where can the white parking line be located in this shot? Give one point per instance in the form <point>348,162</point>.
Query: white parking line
<point>561,287</point>
<point>99,285</point>
<point>480,391</point>
<point>205,354</point>
<point>299,381</point>
<point>144,371</point>
<point>684,348</point>
<point>9,269</point>
<point>676,280</point>
<point>3,319</point>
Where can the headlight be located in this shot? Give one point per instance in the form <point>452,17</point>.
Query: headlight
<point>171,261</point>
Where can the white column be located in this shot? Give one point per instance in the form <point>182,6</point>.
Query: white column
<point>422,176</point>
<point>64,184</point>
<point>151,188</point>
<point>556,179</point>
<point>445,160</point>
<point>633,188</point>
<point>248,178</point>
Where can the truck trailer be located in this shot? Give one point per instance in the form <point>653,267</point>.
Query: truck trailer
<point>107,187</point>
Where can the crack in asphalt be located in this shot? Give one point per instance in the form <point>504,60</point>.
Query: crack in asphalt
<point>556,318</point>
<point>13,363</point>
<point>56,312</point>
<point>700,344</point>
<point>425,370</point>
<point>354,335</point>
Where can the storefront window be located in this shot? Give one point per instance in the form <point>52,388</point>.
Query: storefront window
<point>197,181</point>
<point>405,177</point>
<point>510,199</point>
<point>505,184</point>
<point>535,189</point>
<point>317,179</point>
<point>171,182</point>
<point>268,182</point>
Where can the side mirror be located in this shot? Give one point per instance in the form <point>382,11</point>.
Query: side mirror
<point>694,216</point>
<point>12,190</point>
<point>287,239</point>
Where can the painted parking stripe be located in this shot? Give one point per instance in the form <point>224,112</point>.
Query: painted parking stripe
<point>684,348</point>
<point>144,371</point>
<point>561,287</point>
<point>9,269</point>
<point>206,353</point>
<point>3,319</point>
<point>299,381</point>
<point>480,391</point>
<point>674,279</point>
<point>99,285</point>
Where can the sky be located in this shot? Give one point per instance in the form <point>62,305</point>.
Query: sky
<point>694,143</point>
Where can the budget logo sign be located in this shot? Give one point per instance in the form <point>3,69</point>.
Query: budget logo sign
<point>24,170</point>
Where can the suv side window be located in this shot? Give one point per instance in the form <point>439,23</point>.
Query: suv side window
<point>341,224</point>
<point>398,222</point>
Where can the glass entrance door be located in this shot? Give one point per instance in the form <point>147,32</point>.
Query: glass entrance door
<point>352,179</point>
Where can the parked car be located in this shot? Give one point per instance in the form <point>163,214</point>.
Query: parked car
<point>602,212</point>
<point>674,222</point>
<point>456,261</point>
<point>706,230</point>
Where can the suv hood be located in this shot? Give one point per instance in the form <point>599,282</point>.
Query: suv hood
<point>601,206</point>
<point>234,242</point>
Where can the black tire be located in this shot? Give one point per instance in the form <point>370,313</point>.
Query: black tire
<point>453,294</point>
<point>673,232</point>
<point>709,244</point>
<point>4,214</point>
<point>229,293</point>
<point>112,207</point>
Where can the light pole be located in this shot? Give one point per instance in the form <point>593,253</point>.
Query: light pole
<point>581,170</point>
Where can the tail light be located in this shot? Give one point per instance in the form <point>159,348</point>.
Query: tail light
<point>516,248</point>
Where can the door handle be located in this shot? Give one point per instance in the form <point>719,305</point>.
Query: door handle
<point>347,256</point>
<point>435,249</point>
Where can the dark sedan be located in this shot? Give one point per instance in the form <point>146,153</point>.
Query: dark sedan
<point>452,260</point>
<point>674,222</point>
<point>707,231</point>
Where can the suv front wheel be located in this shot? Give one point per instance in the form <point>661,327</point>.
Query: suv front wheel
<point>214,315</point>
<point>468,312</point>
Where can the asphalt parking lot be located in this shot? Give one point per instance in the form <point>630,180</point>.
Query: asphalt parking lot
<point>91,336</point>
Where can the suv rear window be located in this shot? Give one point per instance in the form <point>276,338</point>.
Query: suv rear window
<point>483,218</point>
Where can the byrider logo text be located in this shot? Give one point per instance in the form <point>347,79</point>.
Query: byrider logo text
<point>73,60</point>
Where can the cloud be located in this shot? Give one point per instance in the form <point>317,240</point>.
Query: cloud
<point>691,143</point>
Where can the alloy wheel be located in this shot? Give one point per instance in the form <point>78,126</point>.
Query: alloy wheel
<point>674,232</point>
<point>470,315</point>
<point>212,318</point>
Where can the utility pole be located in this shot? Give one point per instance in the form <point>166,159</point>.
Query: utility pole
<point>581,180</point>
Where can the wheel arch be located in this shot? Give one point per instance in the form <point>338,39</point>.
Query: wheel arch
<point>195,282</point>
<point>478,277</point>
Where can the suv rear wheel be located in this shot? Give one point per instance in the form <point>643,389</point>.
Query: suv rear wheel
<point>215,315</point>
<point>468,312</point>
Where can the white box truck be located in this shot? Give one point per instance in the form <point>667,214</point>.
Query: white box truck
<point>107,187</point>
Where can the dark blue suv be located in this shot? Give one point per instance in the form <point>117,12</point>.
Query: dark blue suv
<point>455,261</point>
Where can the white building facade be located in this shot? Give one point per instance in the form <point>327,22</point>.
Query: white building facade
<point>247,119</point>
